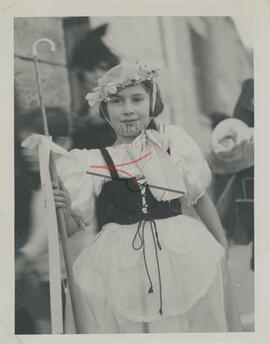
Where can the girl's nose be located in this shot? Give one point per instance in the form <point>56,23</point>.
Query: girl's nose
<point>129,108</point>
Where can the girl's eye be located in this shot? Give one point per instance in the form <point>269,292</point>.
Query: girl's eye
<point>138,99</point>
<point>115,101</point>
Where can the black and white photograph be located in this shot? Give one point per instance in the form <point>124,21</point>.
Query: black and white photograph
<point>133,140</point>
<point>139,132</point>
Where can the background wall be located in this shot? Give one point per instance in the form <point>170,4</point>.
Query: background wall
<point>202,61</point>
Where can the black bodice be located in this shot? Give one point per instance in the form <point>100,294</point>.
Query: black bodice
<point>120,200</point>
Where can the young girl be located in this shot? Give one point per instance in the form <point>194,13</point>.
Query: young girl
<point>150,268</point>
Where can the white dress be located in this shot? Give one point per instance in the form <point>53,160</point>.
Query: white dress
<point>110,275</point>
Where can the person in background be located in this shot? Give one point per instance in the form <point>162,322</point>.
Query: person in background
<point>233,162</point>
<point>244,108</point>
<point>216,117</point>
<point>24,322</point>
<point>91,58</point>
<point>23,182</point>
<point>32,259</point>
<point>219,182</point>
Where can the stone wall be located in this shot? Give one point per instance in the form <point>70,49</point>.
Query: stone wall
<point>53,69</point>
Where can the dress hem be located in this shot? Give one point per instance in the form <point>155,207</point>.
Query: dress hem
<point>169,314</point>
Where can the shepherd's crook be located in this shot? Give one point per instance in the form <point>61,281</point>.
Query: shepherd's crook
<point>56,303</point>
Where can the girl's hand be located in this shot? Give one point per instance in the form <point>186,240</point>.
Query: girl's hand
<point>61,196</point>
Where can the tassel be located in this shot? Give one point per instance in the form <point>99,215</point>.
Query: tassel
<point>160,311</point>
<point>150,291</point>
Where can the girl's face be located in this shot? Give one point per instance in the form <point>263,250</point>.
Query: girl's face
<point>128,111</point>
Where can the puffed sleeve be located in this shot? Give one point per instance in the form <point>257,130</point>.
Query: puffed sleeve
<point>80,185</point>
<point>190,161</point>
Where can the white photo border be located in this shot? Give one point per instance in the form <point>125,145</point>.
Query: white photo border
<point>260,11</point>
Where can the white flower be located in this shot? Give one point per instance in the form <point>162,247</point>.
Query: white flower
<point>149,73</point>
<point>111,88</point>
<point>92,98</point>
<point>88,96</point>
<point>145,68</point>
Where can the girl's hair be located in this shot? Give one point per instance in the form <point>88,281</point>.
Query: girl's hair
<point>148,86</point>
<point>159,106</point>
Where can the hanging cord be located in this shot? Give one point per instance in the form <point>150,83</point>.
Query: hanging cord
<point>141,224</point>
<point>157,243</point>
<point>140,234</point>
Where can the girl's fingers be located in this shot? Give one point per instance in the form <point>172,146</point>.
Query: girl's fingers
<point>60,205</point>
<point>59,193</point>
<point>61,185</point>
<point>60,199</point>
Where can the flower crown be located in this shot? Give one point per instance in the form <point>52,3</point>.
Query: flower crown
<point>119,77</point>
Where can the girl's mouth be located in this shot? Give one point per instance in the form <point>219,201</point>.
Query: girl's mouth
<point>129,121</point>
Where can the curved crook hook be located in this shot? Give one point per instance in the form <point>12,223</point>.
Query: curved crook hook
<point>42,40</point>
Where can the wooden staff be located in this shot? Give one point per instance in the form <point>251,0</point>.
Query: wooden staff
<point>59,211</point>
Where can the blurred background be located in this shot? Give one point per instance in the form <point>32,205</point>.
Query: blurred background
<point>204,63</point>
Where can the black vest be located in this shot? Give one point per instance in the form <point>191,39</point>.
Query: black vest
<point>121,201</point>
